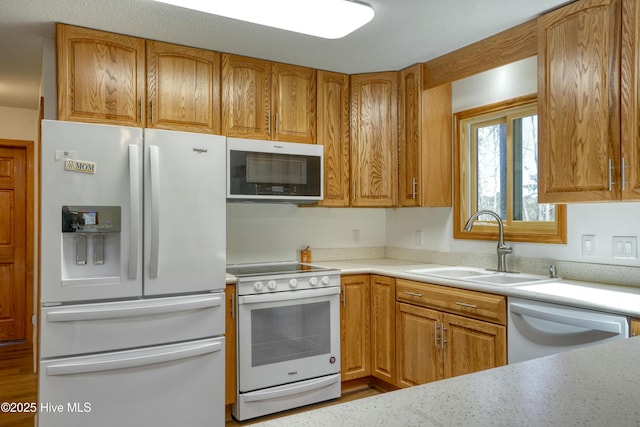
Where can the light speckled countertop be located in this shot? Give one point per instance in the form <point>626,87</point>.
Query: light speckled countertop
<point>595,386</point>
<point>623,300</point>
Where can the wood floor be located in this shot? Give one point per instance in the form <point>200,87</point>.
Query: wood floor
<point>18,383</point>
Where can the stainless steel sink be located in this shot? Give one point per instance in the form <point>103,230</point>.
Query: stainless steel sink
<point>482,276</point>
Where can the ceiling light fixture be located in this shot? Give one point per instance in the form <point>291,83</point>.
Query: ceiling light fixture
<point>329,19</point>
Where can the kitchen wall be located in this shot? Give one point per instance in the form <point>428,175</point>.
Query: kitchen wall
<point>274,232</point>
<point>603,221</point>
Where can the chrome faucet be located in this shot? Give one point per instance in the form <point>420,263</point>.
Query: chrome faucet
<point>503,250</point>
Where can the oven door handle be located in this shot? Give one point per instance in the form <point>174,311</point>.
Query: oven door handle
<point>288,295</point>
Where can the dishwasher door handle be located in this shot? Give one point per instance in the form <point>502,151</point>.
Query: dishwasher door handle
<point>573,320</point>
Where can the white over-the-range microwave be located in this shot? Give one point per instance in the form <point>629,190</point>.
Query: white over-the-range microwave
<point>271,171</point>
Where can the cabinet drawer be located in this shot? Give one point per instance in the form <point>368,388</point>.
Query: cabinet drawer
<point>477,305</point>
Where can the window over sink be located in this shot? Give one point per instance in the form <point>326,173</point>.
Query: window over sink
<point>496,168</point>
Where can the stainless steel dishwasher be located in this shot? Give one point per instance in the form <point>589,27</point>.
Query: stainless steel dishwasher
<point>537,329</point>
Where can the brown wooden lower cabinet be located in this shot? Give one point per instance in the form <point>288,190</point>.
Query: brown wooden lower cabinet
<point>635,327</point>
<point>355,317</point>
<point>432,345</point>
<point>230,345</point>
<point>383,328</point>
<point>407,333</point>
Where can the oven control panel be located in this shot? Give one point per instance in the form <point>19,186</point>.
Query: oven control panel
<point>260,285</point>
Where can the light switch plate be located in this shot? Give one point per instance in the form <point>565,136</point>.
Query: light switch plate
<point>588,245</point>
<point>625,247</point>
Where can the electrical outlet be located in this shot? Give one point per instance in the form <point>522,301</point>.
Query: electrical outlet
<point>588,245</point>
<point>419,238</point>
<point>625,247</point>
<point>355,234</point>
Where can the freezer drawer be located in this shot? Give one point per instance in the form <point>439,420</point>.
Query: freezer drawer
<point>143,387</point>
<point>90,328</point>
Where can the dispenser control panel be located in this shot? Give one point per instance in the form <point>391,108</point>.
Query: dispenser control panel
<point>91,219</point>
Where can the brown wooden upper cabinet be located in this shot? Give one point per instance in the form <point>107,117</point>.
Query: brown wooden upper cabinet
<point>374,139</point>
<point>425,141</point>
<point>333,133</point>
<point>267,100</point>
<point>183,88</point>
<point>588,102</point>
<point>101,76</point>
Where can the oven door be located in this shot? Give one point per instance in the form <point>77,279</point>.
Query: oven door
<point>285,337</point>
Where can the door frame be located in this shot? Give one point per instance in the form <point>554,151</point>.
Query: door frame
<point>29,147</point>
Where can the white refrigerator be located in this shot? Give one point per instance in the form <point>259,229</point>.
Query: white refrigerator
<point>132,277</point>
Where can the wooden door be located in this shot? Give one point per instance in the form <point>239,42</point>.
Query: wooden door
<point>16,224</point>
<point>333,133</point>
<point>246,97</point>
<point>578,102</point>
<point>410,142</point>
<point>383,328</point>
<point>417,345</point>
<point>374,139</point>
<point>355,361</point>
<point>630,99</point>
<point>294,103</point>
<point>183,87</point>
<point>230,345</point>
<point>101,77</point>
<point>472,345</point>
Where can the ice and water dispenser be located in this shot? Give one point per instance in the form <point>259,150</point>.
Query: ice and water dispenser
<point>90,241</point>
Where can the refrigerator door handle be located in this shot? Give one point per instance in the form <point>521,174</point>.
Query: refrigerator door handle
<point>137,309</point>
<point>154,156</point>
<point>133,360</point>
<point>134,209</point>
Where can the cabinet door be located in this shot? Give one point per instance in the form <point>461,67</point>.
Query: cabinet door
<point>101,76</point>
<point>230,345</point>
<point>354,327</point>
<point>383,328</point>
<point>630,100</point>
<point>183,88</point>
<point>294,103</point>
<point>578,94</point>
<point>417,345</point>
<point>333,133</point>
<point>374,139</point>
<point>246,97</point>
<point>635,327</point>
<point>410,114</point>
<point>472,345</point>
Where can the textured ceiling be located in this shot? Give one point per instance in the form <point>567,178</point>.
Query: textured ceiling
<point>402,33</point>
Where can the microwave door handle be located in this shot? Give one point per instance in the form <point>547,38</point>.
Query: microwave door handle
<point>154,157</point>
<point>134,209</point>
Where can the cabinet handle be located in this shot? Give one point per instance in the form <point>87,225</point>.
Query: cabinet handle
<point>611,175</point>
<point>624,174</point>
<point>413,294</point>
<point>344,296</point>
<point>466,304</point>
<point>443,340</point>
<point>414,185</point>
<point>233,305</point>
<point>140,109</point>
<point>276,121</point>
